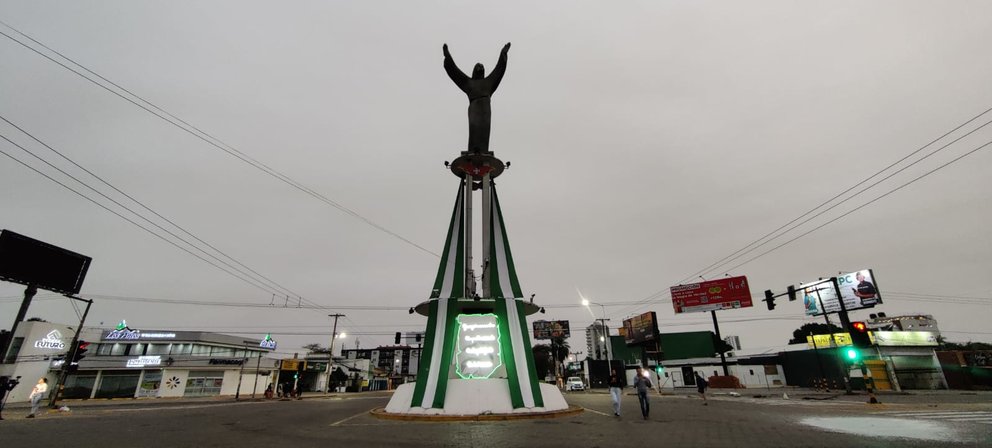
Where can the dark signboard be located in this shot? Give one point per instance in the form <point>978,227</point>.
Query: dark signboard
<point>545,329</point>
<point>28,261</point>
<point>643,328</point>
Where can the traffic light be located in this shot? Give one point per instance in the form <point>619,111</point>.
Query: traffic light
<point>859,335</point>
<point>851,354</point>
<point>660,369</point>
<point>791,291</point>
<point>78,352</point>
<point>397,338</point>
<point>770,299</point>
<point>419,335</point>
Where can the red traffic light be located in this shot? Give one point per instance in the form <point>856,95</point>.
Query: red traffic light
<point>860,327</point>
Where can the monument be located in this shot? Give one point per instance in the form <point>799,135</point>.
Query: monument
<point>477,358</point>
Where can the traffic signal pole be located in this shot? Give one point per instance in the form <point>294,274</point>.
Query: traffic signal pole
<point>723,357</point>
<point>64,372</point>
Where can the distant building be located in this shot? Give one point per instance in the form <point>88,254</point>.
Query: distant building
<point>911,322</point>
<point>397,364</point>
<point>595,341</point>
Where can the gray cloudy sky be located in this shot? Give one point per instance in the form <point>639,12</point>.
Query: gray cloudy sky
<point>648,140</point>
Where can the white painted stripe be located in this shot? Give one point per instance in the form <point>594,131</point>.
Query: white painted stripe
<point>597,412</point>
<point>946,414</point>
<point>519,355</point>
<point>349,418</point>
<point>501,262</point>
<point>450,268</point>
<point>432,376</point>
<point>971,419</point>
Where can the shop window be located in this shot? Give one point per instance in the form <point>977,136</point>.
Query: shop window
<point>150,383</point>
<point>118,350</point>
<point>158,349</point>
<point>222,351</point>
<point>201,350</point>
<point>104,349</point>
<point>138,350</point>
<point>79,386</point>
<point>118,384</point>
<point>204,383</point>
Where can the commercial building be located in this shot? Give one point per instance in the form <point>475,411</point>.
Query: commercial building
<point>391,365</point>
<point>130,363</point>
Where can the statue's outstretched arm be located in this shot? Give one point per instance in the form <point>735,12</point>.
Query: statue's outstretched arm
<point>497,74</point>
<point>460,79</point>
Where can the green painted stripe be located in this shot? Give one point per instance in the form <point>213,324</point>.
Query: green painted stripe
<point>535,385</point>
<point>423,370</point>
<point>509,357</point>
<point>451,332</point>
<point>441,271</point>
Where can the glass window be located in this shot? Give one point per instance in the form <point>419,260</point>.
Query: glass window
<point>15,348</point>
<point>137,350</point>
<point>221,351</point>
<point>104,349</point>
<point>118,349</point>
<point>201,350</point>
<point>158,349</point>
<point>182,349</point>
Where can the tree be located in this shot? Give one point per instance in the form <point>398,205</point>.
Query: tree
<point>559,352</point>
<point>799,335</point>
<point>542,359</point>
<point>967,346</point>
<point>315,348</point>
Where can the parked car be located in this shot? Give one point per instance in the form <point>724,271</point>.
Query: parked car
<point>575,383</point>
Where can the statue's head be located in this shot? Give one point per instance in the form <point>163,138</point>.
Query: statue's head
<point>479,71</point>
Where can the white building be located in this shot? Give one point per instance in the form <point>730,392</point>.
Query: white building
<point>596,340</point>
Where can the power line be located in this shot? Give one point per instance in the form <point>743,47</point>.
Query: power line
<point>205,137</point>
<point>262,287</point>
<point>270,281</point>
<point>718,262</point>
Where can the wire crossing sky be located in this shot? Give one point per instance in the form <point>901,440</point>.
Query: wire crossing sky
<point>651,143</point>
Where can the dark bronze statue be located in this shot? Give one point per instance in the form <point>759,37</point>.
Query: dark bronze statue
<point>479,89</point>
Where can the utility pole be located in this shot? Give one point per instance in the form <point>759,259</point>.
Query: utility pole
<point>606,331</point>
<point>330,350</point>
<point>66,365</point>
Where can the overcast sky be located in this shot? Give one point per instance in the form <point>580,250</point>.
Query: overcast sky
<point>647,140</point>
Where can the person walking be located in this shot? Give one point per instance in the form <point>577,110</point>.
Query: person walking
<point>701,385</point>
<point>37,394</point>
<point>616,390</point>
<point>643,385</point>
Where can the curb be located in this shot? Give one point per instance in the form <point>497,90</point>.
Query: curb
<point>381,413</point>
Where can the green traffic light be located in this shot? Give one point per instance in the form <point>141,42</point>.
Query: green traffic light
<point>852,354</point>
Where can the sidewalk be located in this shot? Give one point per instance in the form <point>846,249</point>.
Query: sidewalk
<point>15,408</point>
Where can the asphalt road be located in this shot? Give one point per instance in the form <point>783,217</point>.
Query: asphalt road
<point>680,421</point>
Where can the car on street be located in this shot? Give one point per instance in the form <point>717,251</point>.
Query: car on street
<point>575,383</point>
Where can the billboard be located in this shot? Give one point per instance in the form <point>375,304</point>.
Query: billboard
<point>31,262</point>
<point>544,329</point>
<point>857,290</point>
<point>712,295</point>
<point>643,328</point>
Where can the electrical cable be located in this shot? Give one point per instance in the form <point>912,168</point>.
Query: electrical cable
<point>207,138</point>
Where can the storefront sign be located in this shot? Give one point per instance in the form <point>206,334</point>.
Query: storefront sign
<point>51,341</point>
<point>268,342</point>
<point>477,348</point>
<point>143,361</point>
<point>236,362</point>
<point>905,338</point>
<point>829,340</point>
<point>122,333</point>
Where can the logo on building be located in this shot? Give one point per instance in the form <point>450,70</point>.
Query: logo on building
<point>173,382</point>
<point>122,333</point>
<point>268,342</point>
<point>51,341</point>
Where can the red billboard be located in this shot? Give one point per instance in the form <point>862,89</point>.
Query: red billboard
<point>720,294</point>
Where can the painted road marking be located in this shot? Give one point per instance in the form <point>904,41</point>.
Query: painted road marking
<point>597,412</point>
<point>353,416</point>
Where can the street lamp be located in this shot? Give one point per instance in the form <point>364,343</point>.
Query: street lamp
<point>606,331</point>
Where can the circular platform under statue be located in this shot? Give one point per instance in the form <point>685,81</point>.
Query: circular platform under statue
<point>475,399</point>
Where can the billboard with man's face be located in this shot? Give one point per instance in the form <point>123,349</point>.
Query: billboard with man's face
<point>857,289</point>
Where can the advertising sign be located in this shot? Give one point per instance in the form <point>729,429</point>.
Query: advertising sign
<point>829,340</point>
<point>643,328</point>
<point>544,329</point>
<point>719,294</point>
<point>477,351</point>
<point>28,261</point>
<point>857,289</point>
<point>905,338</point>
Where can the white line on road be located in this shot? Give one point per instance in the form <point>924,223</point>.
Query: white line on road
<point>597,412</point>
<point>353,416</point>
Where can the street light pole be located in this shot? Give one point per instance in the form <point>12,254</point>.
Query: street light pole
<point>606,331</point>
<point>330,351</point>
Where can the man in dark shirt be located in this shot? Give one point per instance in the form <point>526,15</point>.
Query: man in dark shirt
<point>865,290</point>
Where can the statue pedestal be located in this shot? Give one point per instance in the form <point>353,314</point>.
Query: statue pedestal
<point>475,397</point>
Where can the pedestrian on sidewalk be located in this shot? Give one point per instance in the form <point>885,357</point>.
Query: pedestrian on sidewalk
<point>37,394</point>
<point>643,385</point>
<point>616,390</point>
<point>268,391</point>
<point>279,390</point>
<point>701,385</point>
